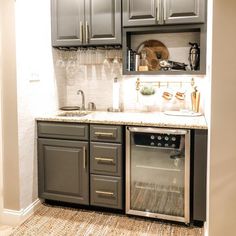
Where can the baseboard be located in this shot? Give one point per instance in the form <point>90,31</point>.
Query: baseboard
<point>14,218</point>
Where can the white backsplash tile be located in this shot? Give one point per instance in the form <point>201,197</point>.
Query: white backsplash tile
<point>96,81</point>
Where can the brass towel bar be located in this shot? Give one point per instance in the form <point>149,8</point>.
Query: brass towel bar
<point>163,83</point>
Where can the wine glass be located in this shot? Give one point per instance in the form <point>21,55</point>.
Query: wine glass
<point>60,61</point>
<point>116,66</point>
<point>106,62</point>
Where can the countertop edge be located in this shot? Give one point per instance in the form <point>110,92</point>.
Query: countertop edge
<point>126,123</point>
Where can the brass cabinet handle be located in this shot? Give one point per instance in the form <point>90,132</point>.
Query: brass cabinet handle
<point>103,134</point>
<point>86,32</point>
<point>84,158</point>
<point>158,10</point>
<point>104,193</point>
<point>81,31</point>
<point>104,159</point>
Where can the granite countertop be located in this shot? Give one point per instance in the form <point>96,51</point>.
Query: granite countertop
<point>154,119</point>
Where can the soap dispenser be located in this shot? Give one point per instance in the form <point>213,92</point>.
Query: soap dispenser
<point>195,98</point>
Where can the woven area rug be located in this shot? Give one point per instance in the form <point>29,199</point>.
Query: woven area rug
<point>58,221</point>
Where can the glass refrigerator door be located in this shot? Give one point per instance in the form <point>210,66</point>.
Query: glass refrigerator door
<point>159,175</point>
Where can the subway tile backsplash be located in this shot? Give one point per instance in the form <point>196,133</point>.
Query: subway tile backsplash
<point>93,71</point>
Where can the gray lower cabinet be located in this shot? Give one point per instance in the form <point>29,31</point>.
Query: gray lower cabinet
<point>74,169</point>
<point>200,175</point>
<point>106,191</point>
<point>158,12</point>
<point>85,22</point>
<point>106,159</point>
<point>63,170</point>
<point>106,133</point>
<point>106,166</point>
<point>63,130</point>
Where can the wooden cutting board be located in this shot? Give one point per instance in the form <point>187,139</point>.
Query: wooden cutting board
<point>155,51</point>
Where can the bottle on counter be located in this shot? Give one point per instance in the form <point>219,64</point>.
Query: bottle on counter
<point>195,98</point>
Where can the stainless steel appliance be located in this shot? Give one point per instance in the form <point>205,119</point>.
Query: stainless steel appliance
<point>158,173</point>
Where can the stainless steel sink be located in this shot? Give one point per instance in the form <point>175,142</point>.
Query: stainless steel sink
<point>74,114</point>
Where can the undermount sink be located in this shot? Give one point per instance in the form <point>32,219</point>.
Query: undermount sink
<point>74,114</point>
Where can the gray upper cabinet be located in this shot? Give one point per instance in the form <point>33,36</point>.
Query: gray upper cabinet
<point>184,11</point>
<point>158,12</point>
<point>103,21</point>
<point>86,22</point>
<point>139,12</point>
<point>63,170</point>
<point>67,22</point>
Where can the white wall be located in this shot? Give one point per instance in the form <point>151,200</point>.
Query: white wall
<point>222,175</point>
<point>25,93</point>
<point>1,151</point>
<point>36,86</point>
<point>9,108</point>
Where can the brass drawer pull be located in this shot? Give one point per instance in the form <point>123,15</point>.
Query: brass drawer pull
<point>105,193</point>
<point>158,11</point>
<point>104,159</point>
<point>165,17</point>
<point>102,134</point>
<point>86,33</point>
<point>84,158</point>
<point>81,32</point>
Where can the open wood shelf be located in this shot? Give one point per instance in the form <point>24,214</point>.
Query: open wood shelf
<point>200,29</point>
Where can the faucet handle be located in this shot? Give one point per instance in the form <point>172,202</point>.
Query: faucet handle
<point>91,106</point>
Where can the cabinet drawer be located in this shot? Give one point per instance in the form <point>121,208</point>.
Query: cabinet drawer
<point>106,133</point>
<point>106,191</point>
<point>106,158</point>
<point>62,131</point>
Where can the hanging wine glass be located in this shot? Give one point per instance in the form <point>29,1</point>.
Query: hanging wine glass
<point>106,62</point>
<point>60,61</point>
<point>116,64</point>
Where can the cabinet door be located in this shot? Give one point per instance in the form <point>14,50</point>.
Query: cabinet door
<point>184,11</point>
<point>67,22</point>
<point>103,22</point>
<point>63,170</point>
<point>140,12</point>
<point>200,175</point>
